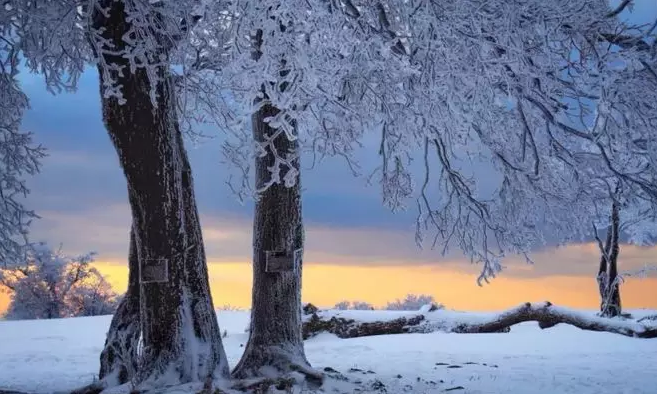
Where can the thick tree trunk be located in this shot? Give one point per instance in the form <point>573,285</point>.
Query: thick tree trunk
<point>602,270</point>
<point>608,280</point>
<point>179,330</point>
<point>275,339</point>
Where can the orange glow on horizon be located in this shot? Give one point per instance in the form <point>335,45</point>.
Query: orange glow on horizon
<point>325,285</point>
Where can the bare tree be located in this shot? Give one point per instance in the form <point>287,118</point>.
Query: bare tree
<point>95,297</point>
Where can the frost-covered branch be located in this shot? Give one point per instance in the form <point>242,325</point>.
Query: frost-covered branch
<point>528,110</point>
<point>19,157</point>
<point>521,88</point>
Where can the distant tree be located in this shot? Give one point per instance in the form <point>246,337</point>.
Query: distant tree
<point>608,279</point>
<point>51,285</point>
<point>412,302</point>
<point>639,223</point>
<point>355,305</point>
<point>94,296</point>
<point>362,306</point>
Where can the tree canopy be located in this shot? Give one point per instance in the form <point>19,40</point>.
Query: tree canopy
<point>555,100</point>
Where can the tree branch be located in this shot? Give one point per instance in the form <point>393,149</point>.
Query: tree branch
<point>621,7</point>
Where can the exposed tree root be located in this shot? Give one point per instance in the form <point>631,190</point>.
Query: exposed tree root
<point>280,368</point>
<point>93,388</point>
<point>546,314</point>
<point>286,382</point>
<point>262,385</point>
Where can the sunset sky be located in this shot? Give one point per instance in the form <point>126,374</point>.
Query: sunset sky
<point>355,248</point>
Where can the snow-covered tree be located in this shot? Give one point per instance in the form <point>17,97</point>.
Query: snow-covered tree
<point>499,111</point>
<point>133,44</point>
<point>638,224</point>
<point>93,297</point>
<point>412,302</point>
<point>49,284</point>
<point>355,305</point>
<point>492,115</point>
<point>19,157</point>
<point>608,279</point>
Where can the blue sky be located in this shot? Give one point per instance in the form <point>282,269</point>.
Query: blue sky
<point>82,198</point>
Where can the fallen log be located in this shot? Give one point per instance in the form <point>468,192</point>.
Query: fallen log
<point>350,324</point>
<point>350,328</point>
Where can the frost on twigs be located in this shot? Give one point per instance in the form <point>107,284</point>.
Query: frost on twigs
<point>507,122</point>
<point>499,122</point>
<point>47,284</point>
<point>19,158</point>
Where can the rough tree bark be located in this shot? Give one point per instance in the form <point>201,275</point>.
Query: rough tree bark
<point>118,360</point>
<point>608,280</point>
<point>275,339</point>
<point>179,330</point>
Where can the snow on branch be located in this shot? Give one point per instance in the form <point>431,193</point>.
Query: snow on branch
<point>19,157</point>
<point>528,90</point>
<point>502,121</point>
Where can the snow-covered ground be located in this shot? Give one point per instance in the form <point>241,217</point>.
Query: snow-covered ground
<point>59,355</point>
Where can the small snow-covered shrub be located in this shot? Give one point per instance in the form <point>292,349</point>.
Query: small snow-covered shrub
<point>355,305</point>
<point>229,308</point>
<point>413,302</point>
<point>362,306</point>
<point>49,284</point>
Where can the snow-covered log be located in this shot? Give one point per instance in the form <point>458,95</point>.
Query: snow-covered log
<point>352,324</point>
